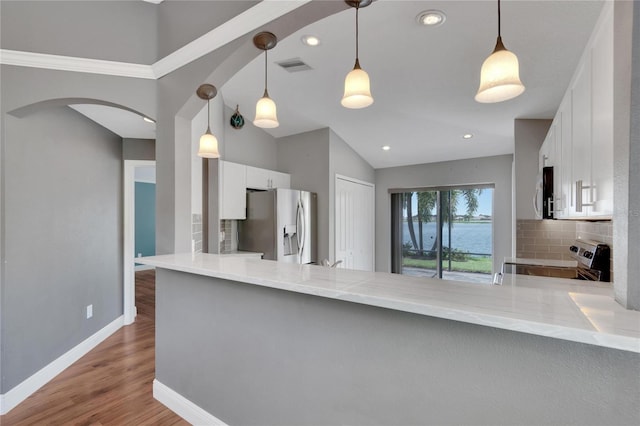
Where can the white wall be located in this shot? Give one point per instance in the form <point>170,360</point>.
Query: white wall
<point>488,170</point>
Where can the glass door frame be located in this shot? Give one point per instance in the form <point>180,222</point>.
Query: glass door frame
<point>397,206</point>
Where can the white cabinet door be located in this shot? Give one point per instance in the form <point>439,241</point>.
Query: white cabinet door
<point>601,190</point>
<point>232,190</point>
<point>581,125</point>
<point>280,180</point>
<point>563,189</point>
<point>354,225</point>
<point>257,178</point>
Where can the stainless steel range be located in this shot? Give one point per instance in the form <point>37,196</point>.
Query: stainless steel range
<point>593,260</point>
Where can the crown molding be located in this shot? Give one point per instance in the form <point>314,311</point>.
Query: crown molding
<point>249,20</point>
<point>69,63</point>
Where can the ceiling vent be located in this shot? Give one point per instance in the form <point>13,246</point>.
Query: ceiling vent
<point>294,65</point>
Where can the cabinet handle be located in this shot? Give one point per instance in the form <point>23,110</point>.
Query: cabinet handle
<point>558,202</point>
<point>579,189</point>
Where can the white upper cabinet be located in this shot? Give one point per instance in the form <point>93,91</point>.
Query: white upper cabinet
<point>602,121</point>
<point>580,142</point>
<point>232,190</point>
<point>280,180</point>
<point>563,186</point>
<point>581,125</point>
<point>258,178</point>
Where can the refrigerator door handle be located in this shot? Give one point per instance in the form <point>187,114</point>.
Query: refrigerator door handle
<point>301,235</point>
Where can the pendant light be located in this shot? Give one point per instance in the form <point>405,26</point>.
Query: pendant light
<point>357,88</point>
<point>266,116</point>
<point>208,142</point>
<point>500,74</point>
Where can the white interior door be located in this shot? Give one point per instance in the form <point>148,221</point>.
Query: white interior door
<point>354,224</point>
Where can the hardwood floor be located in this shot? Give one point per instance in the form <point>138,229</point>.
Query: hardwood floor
<point>111,385</point>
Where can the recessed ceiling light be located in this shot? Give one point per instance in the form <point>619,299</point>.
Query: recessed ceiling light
<point>148,120</point>
<point>386,148</point>
<point>467,136</point>
<point>431,18</point>
<point>310,40</point>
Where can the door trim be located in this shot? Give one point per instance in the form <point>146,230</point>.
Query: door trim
<point>129,238</point>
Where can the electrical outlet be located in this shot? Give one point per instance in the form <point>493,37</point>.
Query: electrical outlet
<point>139,254</point>
<point>89,311</point>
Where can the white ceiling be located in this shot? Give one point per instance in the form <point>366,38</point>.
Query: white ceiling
<point>423,78</point>
<point>123,123</point>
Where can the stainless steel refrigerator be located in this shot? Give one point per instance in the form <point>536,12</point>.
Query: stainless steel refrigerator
<point>282,224</point>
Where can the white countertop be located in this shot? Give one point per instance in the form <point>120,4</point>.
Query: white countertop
<point>565,309</point>
<point>541,262</point>
<point>240,253</point>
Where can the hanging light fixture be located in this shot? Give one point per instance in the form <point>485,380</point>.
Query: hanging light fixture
<point>266,116</point>
<point>357,88</point>
<point>500,74</point>
<point>208,142</point>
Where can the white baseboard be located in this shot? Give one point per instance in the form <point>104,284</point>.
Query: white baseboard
<point>183,407</point>
<point>22,391</point>
<point>144,267</point>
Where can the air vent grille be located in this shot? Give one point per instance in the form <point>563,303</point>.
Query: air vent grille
<point>294,65</point>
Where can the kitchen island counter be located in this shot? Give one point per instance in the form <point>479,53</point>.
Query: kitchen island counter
<point>247,341</point>
<point>564,309</point>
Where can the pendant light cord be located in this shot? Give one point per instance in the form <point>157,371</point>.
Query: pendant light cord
<point>499,18</point>
<point>265,71</point>
<point>357,9</point>
<point>208,115</point>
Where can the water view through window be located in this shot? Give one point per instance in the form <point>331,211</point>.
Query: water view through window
<point>444,234</point>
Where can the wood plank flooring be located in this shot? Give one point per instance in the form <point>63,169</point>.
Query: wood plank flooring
<point>111,385</point>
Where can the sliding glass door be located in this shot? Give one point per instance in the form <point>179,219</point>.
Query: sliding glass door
<point>443,233</point>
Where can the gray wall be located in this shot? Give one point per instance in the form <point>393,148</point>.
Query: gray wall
<point>528,137</point>
<point>496,170</point>
<point>253,355</point>
<point>626,154</point>
<point>123,31</point>
<point>313,159</point>
<point>32,335</point>
<point>138,149</point>
<point>250,145</point>
<point>181,22</point>
<point>178,105</point>
<point>62,237</point>
<point>306,157</point>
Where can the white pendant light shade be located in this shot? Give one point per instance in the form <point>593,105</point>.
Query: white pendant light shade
<point>499,77</point>
<point>208,146</point>
<point>357,89</point>
<point>357,86</point>
<point>266,114</point>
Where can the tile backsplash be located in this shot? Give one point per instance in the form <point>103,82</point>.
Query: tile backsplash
<point>229,243</point>
<point>544,239</point>
<point>550,239</point>
<point>196,232</point>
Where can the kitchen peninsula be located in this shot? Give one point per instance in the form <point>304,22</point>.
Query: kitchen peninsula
<point>262,342</point>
